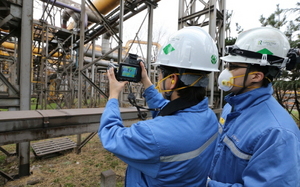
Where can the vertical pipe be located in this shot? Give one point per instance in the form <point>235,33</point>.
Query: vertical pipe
<point>41,73</point>
<point>149,43</point>
<point>46,67</point>
<point>70,85</point>
<point>13,74</point>
<point>25,61</point>
<point>93,68</point>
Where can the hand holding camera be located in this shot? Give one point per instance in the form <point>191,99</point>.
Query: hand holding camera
<point>115,87</point>
<point>130,70</point>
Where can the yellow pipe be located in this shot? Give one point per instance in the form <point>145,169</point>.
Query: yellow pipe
<point>4,30</point>
<point>35,51</point>
<point>4,53</point>
<point>140,42</point>
<point>105,6</point>
<point>8,45</point>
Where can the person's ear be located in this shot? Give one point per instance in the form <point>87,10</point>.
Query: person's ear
<point>174,79</point>
<point>257,77</point>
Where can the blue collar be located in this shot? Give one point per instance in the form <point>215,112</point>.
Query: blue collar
<point>248,99</point>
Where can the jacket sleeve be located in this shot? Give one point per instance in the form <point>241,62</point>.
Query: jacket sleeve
<point>275,162</point>
<point>154,99</point>
<point>136,145</point>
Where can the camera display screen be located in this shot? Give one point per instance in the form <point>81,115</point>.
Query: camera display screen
<point>129,71</point>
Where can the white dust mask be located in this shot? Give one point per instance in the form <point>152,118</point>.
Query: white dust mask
<point>225,80</point>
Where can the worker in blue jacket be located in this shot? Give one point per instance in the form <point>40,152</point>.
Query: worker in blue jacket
<point>175,147</point>
<point>258,143</point>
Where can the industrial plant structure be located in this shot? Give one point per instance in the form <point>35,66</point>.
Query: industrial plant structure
<point>62,66</point>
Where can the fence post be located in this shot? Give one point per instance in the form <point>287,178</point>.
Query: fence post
<point>108,179</point>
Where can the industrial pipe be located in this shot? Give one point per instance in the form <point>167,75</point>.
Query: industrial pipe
<point>35,51</point>
<point>139,42</point>
<point>103,6</point>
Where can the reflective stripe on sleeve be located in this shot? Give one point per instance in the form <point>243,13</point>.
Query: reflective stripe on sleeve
<point>188,155</point>
<point>235,150</point>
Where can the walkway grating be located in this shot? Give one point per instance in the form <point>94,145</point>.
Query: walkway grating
<point>52,146</point>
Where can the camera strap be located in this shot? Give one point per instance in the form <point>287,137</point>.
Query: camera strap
<point>132,101</point>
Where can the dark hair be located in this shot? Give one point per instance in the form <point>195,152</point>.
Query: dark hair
<point>189,93</point>
<point>270,72</point>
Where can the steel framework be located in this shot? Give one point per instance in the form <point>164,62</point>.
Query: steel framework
<point>46,63</point>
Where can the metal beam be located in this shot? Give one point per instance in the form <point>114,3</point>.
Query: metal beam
<point>15,12</point>
<point>8,84</point>
<point>6,102</point>
<point>214,10</point>
<point>29,125</point>
<point>93,84</point>
<point>149,39</point>
<point>7,36</point>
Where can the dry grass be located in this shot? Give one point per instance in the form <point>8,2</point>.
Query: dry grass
<point>67,170</point>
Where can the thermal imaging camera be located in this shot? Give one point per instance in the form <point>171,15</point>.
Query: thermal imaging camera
<point>129,70</point>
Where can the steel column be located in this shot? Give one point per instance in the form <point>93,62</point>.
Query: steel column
<point>25,64</point>
<point>121,15</point>
<point>212,31</point>
<point>149,44</point>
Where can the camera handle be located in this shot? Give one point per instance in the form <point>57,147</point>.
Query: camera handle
<point>132,101</point>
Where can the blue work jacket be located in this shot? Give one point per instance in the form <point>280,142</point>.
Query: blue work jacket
<point>258,143</point>
<point>174,150</point>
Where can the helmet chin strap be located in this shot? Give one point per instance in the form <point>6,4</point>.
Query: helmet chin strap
<point>245,79</point>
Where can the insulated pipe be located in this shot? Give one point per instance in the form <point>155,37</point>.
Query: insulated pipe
<point>105,6</point>
<point>89,53</point>
<point>140,42</point>
<point>105,42</point>
<point>4,53</point>
<point>62,5</point>
<point>112,55</point>
<point>67,13</point>
<point>104,63</point>
<point>99,51</point>
<point>105,46</point>
<point>35,51</point>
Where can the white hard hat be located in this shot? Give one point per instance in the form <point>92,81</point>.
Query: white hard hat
<point>266,46</point>
<point>190,48</point>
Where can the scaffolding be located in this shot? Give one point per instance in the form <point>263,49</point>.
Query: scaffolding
<point>55,62</point>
